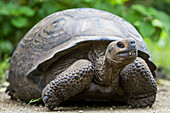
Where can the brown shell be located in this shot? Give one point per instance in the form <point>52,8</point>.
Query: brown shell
<point>61,31</point>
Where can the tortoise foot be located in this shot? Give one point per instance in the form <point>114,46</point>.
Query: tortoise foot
<point>49,98</point>
<point>139,84</point>
<point>142,102</point>
<point>67,84</point>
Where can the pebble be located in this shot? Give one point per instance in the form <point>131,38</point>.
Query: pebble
<point>81,111</point>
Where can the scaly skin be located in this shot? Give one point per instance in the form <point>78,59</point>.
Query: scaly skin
<point>139,84</point>
<point>68,84</point>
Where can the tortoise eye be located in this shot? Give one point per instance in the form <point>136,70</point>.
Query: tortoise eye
<point>120,45</point>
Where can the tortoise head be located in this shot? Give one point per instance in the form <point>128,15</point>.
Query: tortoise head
<point>121,52</point>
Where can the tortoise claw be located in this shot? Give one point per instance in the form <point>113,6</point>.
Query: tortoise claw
<point>11,92</point>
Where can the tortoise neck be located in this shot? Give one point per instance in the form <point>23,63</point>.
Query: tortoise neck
<point>106,72</point>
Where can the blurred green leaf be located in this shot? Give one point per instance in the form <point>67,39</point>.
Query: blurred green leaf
<point>53,7</point>
<point>12,8</point>
<point>3,10</point>
<point>27,11</point>
<point>132,16</point>
<point>146,11</point>
<point>6,28</point>
<point>19,22</point>
<point>146,29</point>
<point>157,23</point>
<point>164,18</point>
<point>141,9</point>
<point>5,46</point>
<point>4,65</point>
<point>114,2</point>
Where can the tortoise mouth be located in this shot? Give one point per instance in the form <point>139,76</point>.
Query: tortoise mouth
<point>127,53</point>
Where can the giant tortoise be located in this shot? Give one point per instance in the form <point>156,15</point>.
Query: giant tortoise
<point>83,54</point>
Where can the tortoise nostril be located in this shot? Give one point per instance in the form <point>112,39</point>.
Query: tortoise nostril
<point>120,45</point>
<point>132,42</point>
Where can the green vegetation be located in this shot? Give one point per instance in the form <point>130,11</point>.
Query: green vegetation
<point>4,65</point>
<point>150,17</point>
<point>33,101</point>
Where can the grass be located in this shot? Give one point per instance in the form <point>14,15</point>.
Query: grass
<point>4,65</point>
<point>33,101</point>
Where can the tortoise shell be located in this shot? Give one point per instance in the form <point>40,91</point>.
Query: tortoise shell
<point>57,34</point>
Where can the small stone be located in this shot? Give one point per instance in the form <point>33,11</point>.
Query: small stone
<point>111,108</point>
<point>24,104</point>
<point>81,111</point>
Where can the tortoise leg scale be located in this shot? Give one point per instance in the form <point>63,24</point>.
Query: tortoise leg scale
<point>139,85</point>
<point>69,83</point>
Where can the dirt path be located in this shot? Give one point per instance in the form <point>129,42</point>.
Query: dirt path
<point>162,105</point>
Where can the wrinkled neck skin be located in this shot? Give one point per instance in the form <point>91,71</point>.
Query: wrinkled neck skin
<point>106,72</point>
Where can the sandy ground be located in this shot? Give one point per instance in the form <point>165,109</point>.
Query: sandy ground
<point>162,105</point>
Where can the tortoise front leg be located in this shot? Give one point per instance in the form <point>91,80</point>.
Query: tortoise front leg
<point>67,84</point>
<point>138,83</point>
